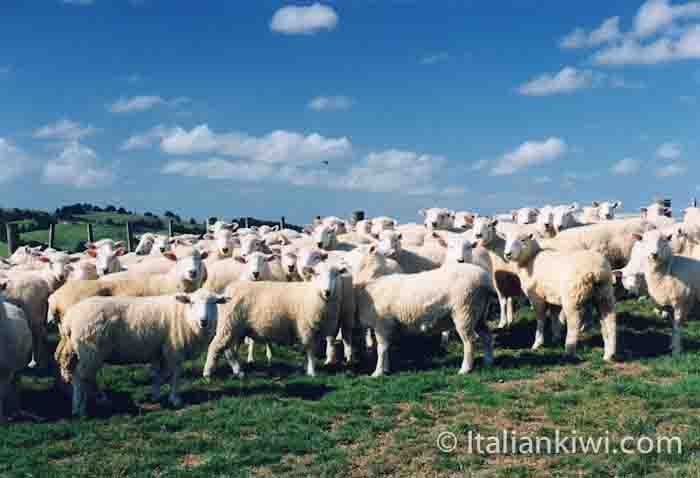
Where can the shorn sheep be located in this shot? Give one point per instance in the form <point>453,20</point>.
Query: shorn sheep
<point>15,348</point>
<point>161,331</point>
<point>277,312</point>
<point>426,301</point>
<point>569,280</point>
<point>672,281</point>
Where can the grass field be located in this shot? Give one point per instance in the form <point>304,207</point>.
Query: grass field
<point>276,422</point>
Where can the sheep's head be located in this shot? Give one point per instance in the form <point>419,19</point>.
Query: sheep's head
<point>161,245</point>
<point>307,259</point>
<point>189,268</point>
<point>250,243</point>
<point>255,265</point>
<point>325,277</point>
<point>464,220</point>
<point>606,210</point>
<point>545,221</point>
<point>525,215</point>
<point>656,246</point>
<point>484,231</point>
<point>389,243</point>
<point>437,218</point>
<point>107,257</point>
<point>201,308</point>
<point>563,216</point>
<point>632,275</point>
<point>520,248</point>
<point>225,241</point>
<point>145,245</point>
<point>288,258</point>
<point>380,224</point>
<point>325,236</point>
<point>459,248</point>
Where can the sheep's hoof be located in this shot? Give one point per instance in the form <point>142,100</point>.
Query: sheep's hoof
<point>378,373</point>
<point>33,364</point>
<point>536,346</point>
<point>609,358</point>
<point>464,371</point>
<point>239,374</point>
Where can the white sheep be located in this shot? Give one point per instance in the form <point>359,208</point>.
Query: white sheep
<point>162,331</point>
<point>277,312</point>
<point>437,218</point>
<point>569,280</point>
<point>672,281</point>
<point>525,215</point>
<point>106,254</point>
<point>464,220</point>
<point>424,302</point>
<point>15,348</point>
<point>255,266</point>
<point>145,244</point>
<point>218,225</point>
<point>600,211</point>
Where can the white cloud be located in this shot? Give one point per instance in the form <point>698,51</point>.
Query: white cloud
<point>626,166</point>
<point>569,79</point>
<point>136,103</point>
<point>82,3</point>
<point>671,170</point>
<point>305,19</point>
<point>439,57</point>
<point>13,161</point>
<point>669,151</point>
<point>145,140</point>
<point>608,31</point>
<point>665,49</point>
<point>657,15</point>
<point>77,166</point>
<point>330,103</point>
<point>64,129</point>
<point>528,154</point>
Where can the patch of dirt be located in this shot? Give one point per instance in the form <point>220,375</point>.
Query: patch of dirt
<point>191,460</point>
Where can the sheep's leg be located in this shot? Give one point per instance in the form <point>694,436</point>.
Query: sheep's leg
<point>606,309</point>
<point>503,303</point>
<point>331,356</point>
<point>38,347</point>
<point>232,359</point>
<point>557,323</point>
<point>310,362</point>
<point>482,329</point>
<point>382,355</point>
<point>369,339</point>
<point>251,349</point>
<point>468,354</point>
<point>174,398</point>
<point>79,405</point>
<point>573,322</point>
<point>268,354</point>
<point>346,331</point>
<point>510,313</point>
<point>679,315</point>
<point>4,389</point>
<point>540,314</point>
<point>156,380</point>
<point>445,338</point>
<point>215,348</point>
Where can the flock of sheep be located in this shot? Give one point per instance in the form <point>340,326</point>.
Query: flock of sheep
<point>173,299</point>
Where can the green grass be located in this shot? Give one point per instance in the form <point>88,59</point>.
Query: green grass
<point>277,422</point>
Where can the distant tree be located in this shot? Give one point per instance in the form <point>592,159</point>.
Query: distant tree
<point>110,208</point>
<point>193,221</point>
<point>121,210</point>
<point>169,214</point>
<point>97,208</point>
<point>148,214</point>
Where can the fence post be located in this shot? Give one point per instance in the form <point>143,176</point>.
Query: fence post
<point>129,238</point>
<point>90,234</point>
<point>170,228</point>
<point>356,216</point>
<point>52,235</point>
<point>283,223</point>
<point>695,202</point>
<point>247,222</point>
<point>11,237</point>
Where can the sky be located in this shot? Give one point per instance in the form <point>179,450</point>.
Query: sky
<point>266,108</point>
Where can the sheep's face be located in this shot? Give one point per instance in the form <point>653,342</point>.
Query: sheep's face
<point>224,242</point>
<point>307,259</point>
<point>389,243</point>
<point>437,218</point>
<point>201,308</point>
<point>255,265</point>
<point>525,215</point>
<point>60,264</point>
<point>161,245</point>
<point>363,227</point>
<point>325,278</point>
<point>324,236</point>
<point>380,224</point>
<point>459,249</point>
<point>563,217</point>
<point>190,268</point>
<point>518,248</point>
<point>107,258</point>
<point>545,220</point>
<point>606,210</point>
<point>656,246</point>
<point>145,245</point>
<point>632,275</point>
<point>463,220</point>
<point>484,231</point>
<point>82,271</point>
<point>288,258</point>
<point>250,243</point>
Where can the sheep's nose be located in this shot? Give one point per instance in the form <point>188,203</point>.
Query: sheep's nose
<point>204,323</point>
<point>105,271</point>
<point>225,250</point>
<point>319,244</point>
<point>256,275</point>
<point>434,224</point>
<point>292,268</point>
<point>461,261</point>
<point>326,294</point>
<point>162,249</point>
<point>654,255</point>
<point>508,255</point>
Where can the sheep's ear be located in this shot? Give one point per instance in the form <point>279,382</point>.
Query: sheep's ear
<point>120,252</point>
<point>667,237</point>
<point>372,249</point>
<point>92,252</point>
<point>204,255</point>
<point>43,259</point>
<point>595,204</point>
<point>323,256</point>
<point>170,255</point>
<point>183,299</point>
<point>3,285</point>
<point>400,236</point>
<point>617,204</point>
<point>532,236</point>
<point>222,300</point>
<point>271,257</point>
<point>494,223</point>
<point>74,259</point>
<point>637,237</point>
<point>343,270</point>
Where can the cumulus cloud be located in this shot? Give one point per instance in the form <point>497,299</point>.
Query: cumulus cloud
<point>569,79</point>
<point>330,103</point>
<point>64,129</point>
<point>665,49</point>
<point>528,154</point>
<point>626,166</point>
<point>136,103</point>
<point>77,166</point>
<point>671,170</point>
<point>669,151</point>
<point>304,19</point>
<point>145,140</point>
<point>656,15</point>
<point>608,31</point>
<point>13,161</point>
<point>439,57</point>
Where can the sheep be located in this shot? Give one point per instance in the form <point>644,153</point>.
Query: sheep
<point>672,280</point>
<point>464,220</point>
<point>277,312</point>
<point>525,215</point>
<point>563,217</point>
<point>15,348</point>
<point>218,225</point>
<point>600,211</point>
<point>488,249</point>
<point>24,255</point>
<point>340,226</point>
<point>424,301</point>
<point>613,239</point>
<point>382,223</point>
<point>106,254</point>
<point>437,218</point>
<point>162,331</point>
<point>145,244</point>
<point>254,266</point>
<point>222,242</point>
<point>569,280</point>
<point>83,270</point>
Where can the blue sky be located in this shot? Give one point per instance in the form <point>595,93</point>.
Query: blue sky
<point>233,108</point>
